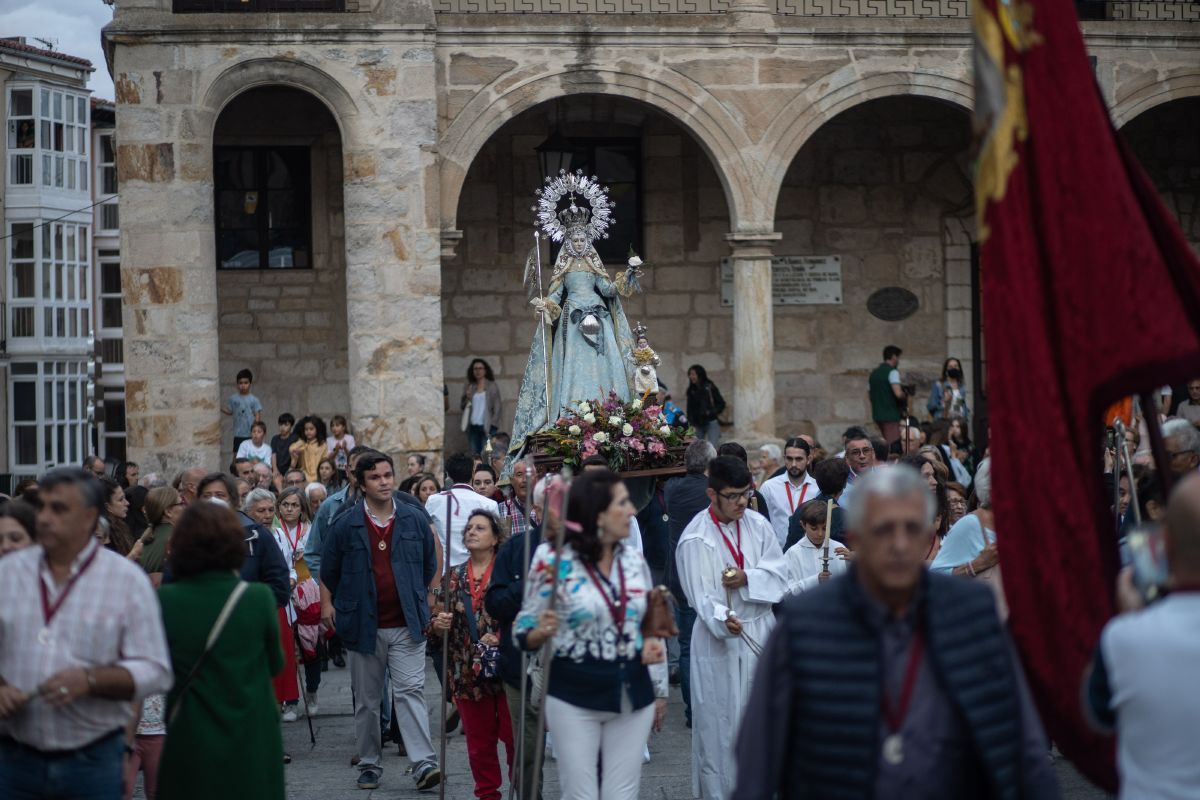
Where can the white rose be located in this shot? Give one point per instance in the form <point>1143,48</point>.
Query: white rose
<point>589,418</point>
<point>574,430</point>
<point>600,437</point>
<point>585,408</point>
<point>665,430</point>
<point>615,422</point>
<point>636,405</point>
<point>627,429</point>
<point>635,262</point>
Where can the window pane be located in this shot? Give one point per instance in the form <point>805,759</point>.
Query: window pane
<point>110,219</point>
<point>82,115</point>
<point>60,317</point>
<point>26,444</point>
<point>83,175</point>
<point>22,103</point>
<point>24,368</point>
<point>22,322</point>
<point>24,401</point>
<point>73,318</point>
<point>62,441</point>
<point>57,129</point>
<point>58,171</point>
<point>108,180</point>
<point>58,111</point>
<point>239,249</point>
<point>110,312</point>
<point>21,170</point>
<point>22,134</point>
<point>106,150</point>
<point>72,272</point>
<point>73,399</point>
<point>110,277</point>
<point>23,285</point>
<point>45,108</point>
<point>114,415</point>
<point>22,240</point>
<point>47,171</point>
<point>48,323</point>
<point>85,325</point>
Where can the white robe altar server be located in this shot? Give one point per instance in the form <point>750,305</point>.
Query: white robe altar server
<point>732,571</point>
<point>806,558</point>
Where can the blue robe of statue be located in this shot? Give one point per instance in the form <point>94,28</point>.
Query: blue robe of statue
<point>584,365</point>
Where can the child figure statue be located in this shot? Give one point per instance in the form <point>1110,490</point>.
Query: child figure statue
<point>645,361</point>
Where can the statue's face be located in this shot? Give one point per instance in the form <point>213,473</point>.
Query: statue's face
<point>578,242</point>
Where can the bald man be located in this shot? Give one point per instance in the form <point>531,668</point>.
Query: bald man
<point>188,482</point>
<point>1142,681</point>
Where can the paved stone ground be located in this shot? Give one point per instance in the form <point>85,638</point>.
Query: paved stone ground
<point>323,772</point>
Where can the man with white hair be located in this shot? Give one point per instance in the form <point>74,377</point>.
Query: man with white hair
<point>262,475</point>
<point>315,493</point>
<point>1182,441</point>
<point>768,462</point>
<point>958,723</point>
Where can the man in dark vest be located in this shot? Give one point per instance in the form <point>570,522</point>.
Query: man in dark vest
<point>888,400</point>
<point>891,681</point>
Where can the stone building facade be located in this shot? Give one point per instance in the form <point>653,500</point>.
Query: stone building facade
<point>737,131</point>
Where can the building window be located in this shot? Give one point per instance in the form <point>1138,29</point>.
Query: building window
<point>110,218</point>
<point>263,207</point>
<point>48,280</point>
<point>58,434</point>
<point>617,162</point>
<point>22,137</point>
<point>114,428</point>
<point>110,299</point>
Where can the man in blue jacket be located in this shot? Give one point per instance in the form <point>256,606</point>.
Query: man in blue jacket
<point>377,561</point>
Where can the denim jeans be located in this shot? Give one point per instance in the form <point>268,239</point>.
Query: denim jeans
<point>711,431</point>
<point>685,618</point>
<point>89,773</point>
<point>477,437</point>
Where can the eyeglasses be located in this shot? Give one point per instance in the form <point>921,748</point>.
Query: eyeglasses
<point>862,451</point>
<point>733,497</point>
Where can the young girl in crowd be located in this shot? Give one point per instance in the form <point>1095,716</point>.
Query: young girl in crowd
<point>424,487</point>
<point>329,476</point>
<point>340,442</point>
<point>310,448</point>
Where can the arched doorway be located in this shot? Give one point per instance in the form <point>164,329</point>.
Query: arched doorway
<point>885,188</point>
<point>1166,140</point>
<point>671,209</point>
<point>280,253</point>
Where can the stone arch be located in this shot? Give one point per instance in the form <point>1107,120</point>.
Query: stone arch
<point>1176,87</point>
<point>257,73</point>
<point>684,101</point>
<point>809,111</point>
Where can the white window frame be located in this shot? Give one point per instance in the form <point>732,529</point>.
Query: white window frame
<point>60,417</point>
<point>62,286</point>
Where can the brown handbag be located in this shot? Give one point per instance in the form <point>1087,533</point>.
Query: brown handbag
<point>660,618</point>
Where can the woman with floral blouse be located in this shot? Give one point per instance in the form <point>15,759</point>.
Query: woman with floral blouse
<point>607,686</point>
<point>472,642</point>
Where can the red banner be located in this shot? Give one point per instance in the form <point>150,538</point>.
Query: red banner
<point>1090,293</point>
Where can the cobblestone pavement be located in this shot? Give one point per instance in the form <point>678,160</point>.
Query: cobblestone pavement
<point>323,772</point>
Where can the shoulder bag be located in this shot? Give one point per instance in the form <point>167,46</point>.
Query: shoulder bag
<point>485,659</point>
<point>213,635</point>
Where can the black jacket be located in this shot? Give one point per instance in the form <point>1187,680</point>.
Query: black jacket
<point>505,594</point>
<point>685,498</point>
<point>704,403</point>
<point>264,561</point>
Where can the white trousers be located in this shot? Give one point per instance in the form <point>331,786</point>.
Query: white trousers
<point>583,737</point>
<point>395,651</point>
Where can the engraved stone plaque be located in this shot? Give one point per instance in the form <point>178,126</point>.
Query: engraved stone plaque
<point>892,304</point>
<point>795,280</point>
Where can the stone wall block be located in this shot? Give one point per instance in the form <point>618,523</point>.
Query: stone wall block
<point>470,70</point>
<point>153,163</point>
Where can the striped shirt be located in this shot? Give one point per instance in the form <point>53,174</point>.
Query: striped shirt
<point>110,617</point>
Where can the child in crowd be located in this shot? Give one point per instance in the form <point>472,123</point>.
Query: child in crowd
<point>806,559</point>
<point>255,448</point>
<point>244,408</point>
<point>340,442</point>
<point>308,451</point>
<point>281,443</point>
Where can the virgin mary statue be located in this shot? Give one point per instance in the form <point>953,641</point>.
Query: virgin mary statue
<point>586,349</point>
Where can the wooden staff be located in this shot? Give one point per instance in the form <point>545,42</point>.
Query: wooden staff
<point>446,639</point>
<point>530,475</point>
<point>547,654</point>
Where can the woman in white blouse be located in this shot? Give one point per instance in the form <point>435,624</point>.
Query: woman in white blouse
<point>607,686</point>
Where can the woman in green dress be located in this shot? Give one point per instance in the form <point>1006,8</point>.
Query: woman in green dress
<point>223,736</point>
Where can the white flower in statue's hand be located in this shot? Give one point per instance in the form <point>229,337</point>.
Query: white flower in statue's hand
<point>636,405</point>
<point>589,418</point>
<point>635,262</point>
<point>574,430</point>
<point>626,429</point>
<point>600,437</point>
<point>665,430</point>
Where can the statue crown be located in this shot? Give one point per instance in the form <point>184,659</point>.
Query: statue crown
<point>574,217</point>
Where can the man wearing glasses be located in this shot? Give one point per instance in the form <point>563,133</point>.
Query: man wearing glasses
<point>732,571</point>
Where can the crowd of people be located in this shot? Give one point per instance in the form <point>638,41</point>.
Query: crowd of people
<point>797,575</point>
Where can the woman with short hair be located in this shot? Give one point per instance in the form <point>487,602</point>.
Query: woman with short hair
<point>602,700</point>
<point>225,709</point>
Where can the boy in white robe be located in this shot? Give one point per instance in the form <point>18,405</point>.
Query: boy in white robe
<point>806,558</point>
<point>732,571</point>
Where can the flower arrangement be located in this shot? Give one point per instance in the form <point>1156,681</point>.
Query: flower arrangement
<point>629,435</point>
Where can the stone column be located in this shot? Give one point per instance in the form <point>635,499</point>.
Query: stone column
<point>753,336</point>
<point>168,266</point>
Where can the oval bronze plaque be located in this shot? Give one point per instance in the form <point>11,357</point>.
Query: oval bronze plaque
<point>893,303</point>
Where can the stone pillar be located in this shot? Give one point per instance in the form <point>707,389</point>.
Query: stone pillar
<point>164,154</point>
<point>753,336</point>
